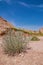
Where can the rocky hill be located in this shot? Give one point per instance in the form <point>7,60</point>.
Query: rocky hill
<point>41,30</point>
<point>4,25</point>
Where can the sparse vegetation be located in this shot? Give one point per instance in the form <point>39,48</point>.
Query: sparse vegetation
<point>14,42</point>
<point>34,38</point>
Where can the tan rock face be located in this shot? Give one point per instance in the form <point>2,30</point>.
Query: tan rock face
<point>4,25</point>
<point>41,30</point>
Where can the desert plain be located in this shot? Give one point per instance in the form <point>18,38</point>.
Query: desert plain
<point>32,56</point>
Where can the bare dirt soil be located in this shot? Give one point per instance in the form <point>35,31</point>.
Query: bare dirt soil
<point>33,56</point>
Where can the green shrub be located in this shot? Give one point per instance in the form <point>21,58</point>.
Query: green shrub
<point>34,38</point>
<point>14,42</point>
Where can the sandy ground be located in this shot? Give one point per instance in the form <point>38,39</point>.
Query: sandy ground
<point>33,56</point>
<point>37,45</point>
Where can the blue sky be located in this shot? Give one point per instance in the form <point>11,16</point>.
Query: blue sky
<point>26,14</point>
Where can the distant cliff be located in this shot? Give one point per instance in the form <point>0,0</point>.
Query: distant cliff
<point>41,30</point>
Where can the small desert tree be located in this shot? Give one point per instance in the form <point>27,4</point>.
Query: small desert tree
<point>14,42</point>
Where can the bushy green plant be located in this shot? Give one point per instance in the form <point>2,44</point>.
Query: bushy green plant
<point>14,42</point>
<point>34,38</point>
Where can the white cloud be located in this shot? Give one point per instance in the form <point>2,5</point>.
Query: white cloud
<point>7,1</point>
<point>24,4</point>
<point>30,5</point>
<point>29,27</point>
<point>41,6</point>
<point>0,0</point>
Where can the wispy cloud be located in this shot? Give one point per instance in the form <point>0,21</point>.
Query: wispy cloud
<point>30,5</point>
<point>7,1</point>
<point>30,27</point>
<point>0,0</point>
<point>24,4</point>
<point>40,6</point>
